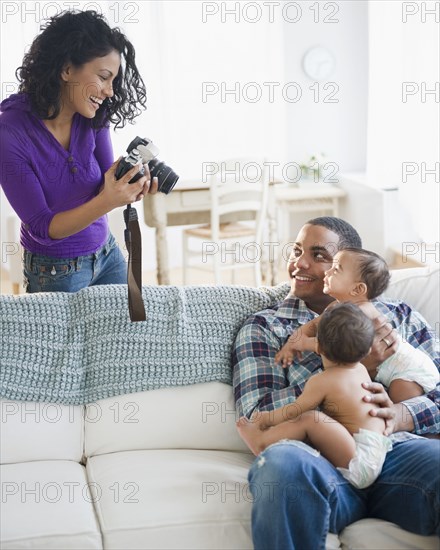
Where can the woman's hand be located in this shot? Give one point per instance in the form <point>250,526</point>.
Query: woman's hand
<point>119,192</point>
<point>385,344</point>
<point>149,186</point>
<point>113,193</point>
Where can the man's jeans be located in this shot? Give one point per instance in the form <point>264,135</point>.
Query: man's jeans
<point>298,496</point>
<point>46,274</point>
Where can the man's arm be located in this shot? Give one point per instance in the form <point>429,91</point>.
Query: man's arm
<point>255,375</point>
<point>384,345</point>
<point>418,414</point>
<point>396,415</point>
<point>424,411</point>
<point>260,384</point>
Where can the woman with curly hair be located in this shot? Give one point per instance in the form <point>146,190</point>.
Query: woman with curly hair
<point>56,158</point>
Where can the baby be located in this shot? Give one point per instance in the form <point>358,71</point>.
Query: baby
<point>358,276</point>
<point>343,431</point>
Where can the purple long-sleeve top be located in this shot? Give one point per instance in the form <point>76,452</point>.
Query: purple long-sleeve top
<point>40,178</point>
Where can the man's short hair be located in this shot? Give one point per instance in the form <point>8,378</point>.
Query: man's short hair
<point>345,333</point>
<point>348,236</point>
<point>373,271</point>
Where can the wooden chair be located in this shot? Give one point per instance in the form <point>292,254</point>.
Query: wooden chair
<point>234,239</point>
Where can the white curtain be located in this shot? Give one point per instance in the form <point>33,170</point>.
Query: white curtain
<point>403,119</point>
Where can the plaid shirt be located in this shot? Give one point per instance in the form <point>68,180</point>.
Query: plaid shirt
<point>261,384</point>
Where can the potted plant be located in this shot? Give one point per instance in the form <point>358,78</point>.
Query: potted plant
<point>312,169</point>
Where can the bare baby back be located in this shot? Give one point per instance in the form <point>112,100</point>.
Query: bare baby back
<point>343,399</point>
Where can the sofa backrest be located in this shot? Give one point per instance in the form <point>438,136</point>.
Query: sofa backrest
<point>40,431</point>
<point>200,416</point>
<point>419,287</point>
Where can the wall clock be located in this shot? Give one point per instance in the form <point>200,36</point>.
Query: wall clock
<point>318,63</point>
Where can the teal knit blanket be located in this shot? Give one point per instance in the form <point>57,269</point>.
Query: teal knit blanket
<point>78,348</point>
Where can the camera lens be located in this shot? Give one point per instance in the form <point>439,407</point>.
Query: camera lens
<point>167,179</point>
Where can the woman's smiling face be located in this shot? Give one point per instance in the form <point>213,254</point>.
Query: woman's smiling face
<point>86,87</point>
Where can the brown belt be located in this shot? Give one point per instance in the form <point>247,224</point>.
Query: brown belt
<point>133,243</point>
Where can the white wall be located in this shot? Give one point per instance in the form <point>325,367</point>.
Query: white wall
<point>339,130</point>
<point>404,114</point>
<point>336,129</point>
<point>377,214</point>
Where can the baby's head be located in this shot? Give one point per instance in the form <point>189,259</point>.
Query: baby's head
<point>345,334</point>
<point>356,273</point>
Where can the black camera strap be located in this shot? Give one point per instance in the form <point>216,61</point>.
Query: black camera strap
<point>133,243</point>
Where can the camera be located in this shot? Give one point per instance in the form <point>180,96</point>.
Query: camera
<point>144,150</point>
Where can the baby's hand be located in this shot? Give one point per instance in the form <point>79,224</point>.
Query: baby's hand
<point>297,341</point>
<point>286,355</point>
<point>284,358</point>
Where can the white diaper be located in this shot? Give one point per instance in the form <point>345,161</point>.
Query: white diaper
<point>366,465</point>
<point>410,364</point>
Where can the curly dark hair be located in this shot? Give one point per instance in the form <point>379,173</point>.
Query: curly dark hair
<point>77,37</point>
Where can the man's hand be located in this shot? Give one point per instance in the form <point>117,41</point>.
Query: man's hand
<point>385,344</point>
<point>396,415</point>
<point>380,397</point>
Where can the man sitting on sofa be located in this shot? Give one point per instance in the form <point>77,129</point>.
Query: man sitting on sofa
<point>298,496</point>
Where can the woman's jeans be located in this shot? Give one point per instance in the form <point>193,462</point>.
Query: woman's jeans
<point>45,274</point>
<point>298,496</point>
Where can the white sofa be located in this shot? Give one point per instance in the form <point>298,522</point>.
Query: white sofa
<point>156,469</point>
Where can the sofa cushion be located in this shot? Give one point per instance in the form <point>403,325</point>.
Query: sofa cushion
<point>420,288</point>
<point>376,533</point>
<point>40,431</point>
<point>47,505</point>
<point>201,416</point>
<point>152,499</point>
